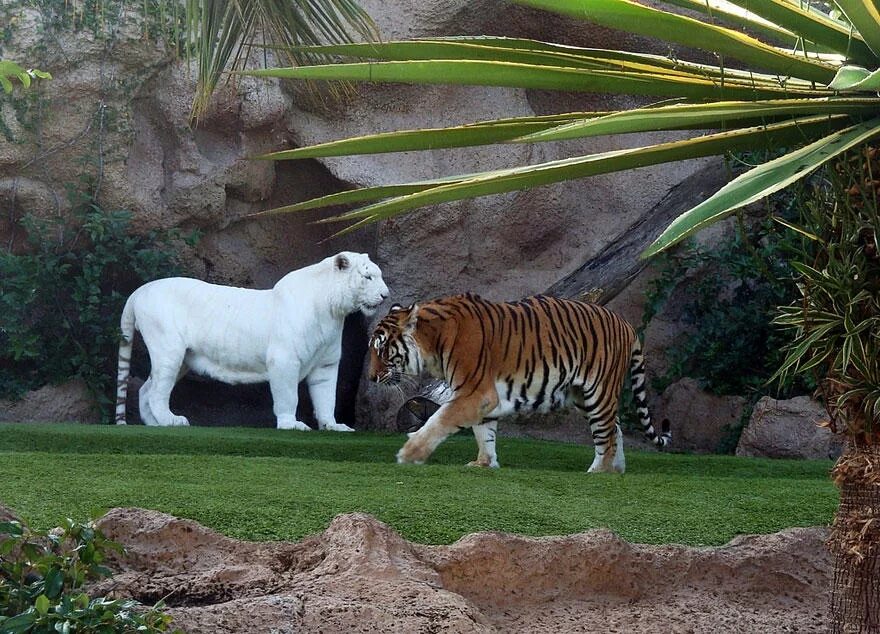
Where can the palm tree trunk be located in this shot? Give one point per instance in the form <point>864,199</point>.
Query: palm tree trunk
<point>855,539</point>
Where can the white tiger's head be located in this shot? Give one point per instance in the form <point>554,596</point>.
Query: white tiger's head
<point>361,282</point>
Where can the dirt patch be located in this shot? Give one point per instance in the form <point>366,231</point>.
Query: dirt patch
<point>361,576</point>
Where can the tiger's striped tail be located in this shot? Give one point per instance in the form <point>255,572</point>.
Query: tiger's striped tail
<point>637,370</point>
<point>127,326</point>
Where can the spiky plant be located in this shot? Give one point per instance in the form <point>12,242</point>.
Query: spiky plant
<point>792,75</point>
<point>220,31</point>
<point>836,335</point>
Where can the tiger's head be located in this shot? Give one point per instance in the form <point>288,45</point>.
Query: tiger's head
<point>394,352</point>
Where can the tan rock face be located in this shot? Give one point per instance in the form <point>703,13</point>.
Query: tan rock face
<point>788,429</point>
<point>361,576</point>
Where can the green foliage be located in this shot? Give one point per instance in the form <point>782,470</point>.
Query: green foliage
<point>734,290</point>
<point>223,33</point>
<point>42,584</point>
<point>157,19</point>
<point>10,70</point>
<point>835,321</point>
<point>295,483</point>
<point>61,300</point>
<point>825,104</point>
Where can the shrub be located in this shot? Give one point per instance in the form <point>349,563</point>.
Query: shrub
<point>734,290</point>
<point>42,576</point>
<point>61,301</point>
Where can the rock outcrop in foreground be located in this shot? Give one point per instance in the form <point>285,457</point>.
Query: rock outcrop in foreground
<point>361,576</point>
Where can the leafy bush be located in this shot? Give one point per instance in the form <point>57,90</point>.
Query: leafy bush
<point>734,289</point>
<point>42,576</point>
<point>834,321</point>
<point>61,301</point>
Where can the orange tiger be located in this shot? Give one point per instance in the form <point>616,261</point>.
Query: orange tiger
<point>536,354</point>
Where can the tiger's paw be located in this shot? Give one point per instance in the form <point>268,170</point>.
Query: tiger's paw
<point>404,458</point>
<point>285,422</point>
<point>336,427</point>
<point>485,463</point>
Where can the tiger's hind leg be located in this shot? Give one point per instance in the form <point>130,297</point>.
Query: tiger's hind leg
<point>607,435</point>
<point>618,464</point>
<point>164,373</point>
<point>147,417</point>
<point>485,434</point>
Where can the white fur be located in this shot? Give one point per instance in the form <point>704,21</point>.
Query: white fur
<point>284,335</point>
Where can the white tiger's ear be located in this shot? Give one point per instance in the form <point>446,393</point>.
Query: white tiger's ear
<point>341,262</point>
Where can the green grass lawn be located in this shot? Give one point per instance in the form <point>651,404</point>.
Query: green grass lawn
<point>265,484</point>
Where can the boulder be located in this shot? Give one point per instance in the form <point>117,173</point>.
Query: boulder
<point>700,421</point>
<point>790,428</point>
<point>64,403</point>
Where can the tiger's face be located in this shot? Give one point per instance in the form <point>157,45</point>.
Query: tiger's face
<point>393,349</point>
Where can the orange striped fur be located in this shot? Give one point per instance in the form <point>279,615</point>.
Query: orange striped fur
<point>536,354</point>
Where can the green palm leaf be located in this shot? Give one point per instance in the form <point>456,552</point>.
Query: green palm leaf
<point>222,33</point>
<point>514,179</point>
<point>541,54</point>
<point>865,17</point>
<point>508,74</point>
<point>803,95</point>
<point>482,133</point>
<point>636,18</point>
<point>812,26</point>
<point>763,181</point>
<point>690,116</point>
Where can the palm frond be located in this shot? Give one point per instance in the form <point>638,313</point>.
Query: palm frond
<point>222,34</point>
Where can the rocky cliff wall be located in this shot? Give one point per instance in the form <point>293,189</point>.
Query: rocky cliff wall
<point>117,111</point>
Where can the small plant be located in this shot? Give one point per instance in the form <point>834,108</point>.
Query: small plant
<point>42,581</point>
<point>10,71</point>
<point>61,300</point>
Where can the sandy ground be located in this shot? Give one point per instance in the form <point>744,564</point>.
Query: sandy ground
<point>361,576</point>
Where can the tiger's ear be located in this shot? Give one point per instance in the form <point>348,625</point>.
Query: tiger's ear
<point>341,262</point>
<point>413,317</point>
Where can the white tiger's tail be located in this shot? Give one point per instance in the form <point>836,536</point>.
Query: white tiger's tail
<point>637,370</point>
<point>127,326</point>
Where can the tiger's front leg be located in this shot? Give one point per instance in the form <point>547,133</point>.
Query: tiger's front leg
<point>452,416</point>
<point>422,443</point>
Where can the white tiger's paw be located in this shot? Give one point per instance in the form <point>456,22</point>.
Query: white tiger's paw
<point>178,421</point>
<point>336,427</point>
<point>292,423</point>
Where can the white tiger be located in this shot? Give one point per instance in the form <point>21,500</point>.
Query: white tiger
<point>240,335</point>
